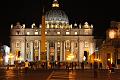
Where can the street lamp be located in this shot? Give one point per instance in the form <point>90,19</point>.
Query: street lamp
<point>113,35</point>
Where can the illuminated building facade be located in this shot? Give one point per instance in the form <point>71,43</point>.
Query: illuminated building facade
<point>109,51</point>
<point>62,38</point>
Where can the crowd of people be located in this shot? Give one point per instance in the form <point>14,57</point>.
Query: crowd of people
<point>64,65</point>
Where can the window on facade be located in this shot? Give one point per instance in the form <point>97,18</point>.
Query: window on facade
<point>51,26</point>
<point>51,44</point>
<point>75,44</point>
<point>47,25</point>
<point>67,33</point>
<point>58,42</point>
<point>28,33</point>
<point>86,31</point>
<point>17,32</point>
<point>36,33</point>
<point>58,48</point>
<point>112,34</point>
<point>45,32</point>
<point>36,43</point>
<point>56,26</point>
<point>17,44</point>
<point>86,44</point>
<point>58,45</point>
<point>58,32</point>
<point>27,45</point>
<point>75,33</point>
<point>67,44</point>
<point>46,45</point>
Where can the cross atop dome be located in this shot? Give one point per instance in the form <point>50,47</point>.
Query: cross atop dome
<point>55,3</point>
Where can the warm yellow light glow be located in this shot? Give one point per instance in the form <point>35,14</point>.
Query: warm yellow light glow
<point>36,33</point>
<point>1,59</point>
<point>99,60</point>
<point>67,33</point>
<point>10,55</point>
<point>58,32</point>
<point>33,25</point>
<point>55,5</point>
<point>108,59</point>
<point>86,31</point>
<point>11,26</point>
<point>45,32</point>
<point>20,58</point>
<point>75,33</point>
<point>51,26</point>
<point>55,26</point>
<point>58,42</point>
<point>23,25</point>
<point>111,60</point>
<point>86,25</point>
<point>47,25</point>
<point>70,57</point>
<point>112,34</point>
<point>45,43</point>
<point>75,24</point>
<point>28,33</point>
<point>91,26</point>
<point>96,59</point>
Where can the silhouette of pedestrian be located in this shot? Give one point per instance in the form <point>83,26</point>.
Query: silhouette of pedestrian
<point>26,66</point>
<point>82,65</point>
<point>95,69</point>
<point>75,65</point>
<point>43,65</point>
<point>112,69</point>
<point>72,65</point>
<point>67,66</point>
<point>90,65</point>
<point>100,66</point>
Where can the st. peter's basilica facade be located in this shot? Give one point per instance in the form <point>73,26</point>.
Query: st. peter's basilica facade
<point>62,39</point>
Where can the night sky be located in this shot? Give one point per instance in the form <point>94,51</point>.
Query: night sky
<point>98,12</point>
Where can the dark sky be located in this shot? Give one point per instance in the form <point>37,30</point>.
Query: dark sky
<point>98,12</point>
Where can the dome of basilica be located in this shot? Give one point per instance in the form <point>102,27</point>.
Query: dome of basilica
<point>56,15</point>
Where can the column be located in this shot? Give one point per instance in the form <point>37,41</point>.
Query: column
<point>91,48</point>
<point>72,46</point>
<point>31,50</point>
<point>61,51</point>
<point>23,51</point>
<point>56,51</point>
<point>39,51</point>
<point>12,47</point>
<point>64,51</point>
<point>48,48</point>
<point>81,50</point>
<point>13,52</point>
